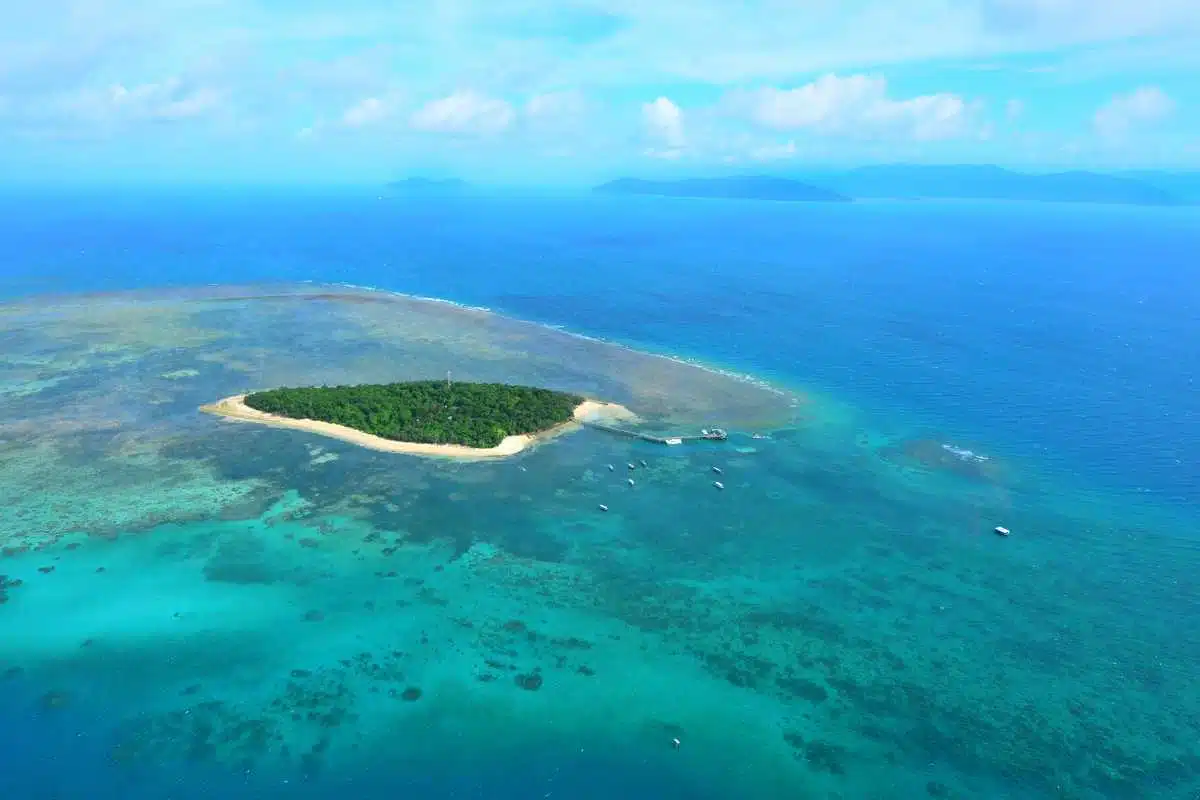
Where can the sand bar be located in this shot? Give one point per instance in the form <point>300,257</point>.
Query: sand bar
<point>235,408</point>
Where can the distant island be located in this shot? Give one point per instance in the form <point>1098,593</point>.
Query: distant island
<point>744,188</point>
<point>933,182</point>
<point>984,182</point>
<point>437,418</point>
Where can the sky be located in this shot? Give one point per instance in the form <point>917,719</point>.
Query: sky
<point>573,91</point>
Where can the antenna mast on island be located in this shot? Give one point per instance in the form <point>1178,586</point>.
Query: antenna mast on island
<point>447,379</point>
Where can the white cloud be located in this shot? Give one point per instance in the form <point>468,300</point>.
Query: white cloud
<point>855,106</point>
<point>172,100</point>
<point>365,112</point>
<point>464,112</point>
<point>1067,21</point>
<point>369,112</point>
<point>1124,112</point>
<point>1014,108</point>
<point>118,109</point>
<point>664,123</point>
<point>774,40</point>
<point>278,62</point>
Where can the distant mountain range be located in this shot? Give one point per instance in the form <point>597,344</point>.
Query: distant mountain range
<point>753,187</point>
<point>897,181</point>
<point>1185,185</point>
<point>996,183</point>
<point>935,182</point>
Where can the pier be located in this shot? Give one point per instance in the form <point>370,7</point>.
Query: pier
<point>716,434</point>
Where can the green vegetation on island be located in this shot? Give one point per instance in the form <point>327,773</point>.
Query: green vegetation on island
<point>430,412</point>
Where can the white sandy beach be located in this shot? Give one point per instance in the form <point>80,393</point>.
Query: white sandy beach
<point>235,408</point>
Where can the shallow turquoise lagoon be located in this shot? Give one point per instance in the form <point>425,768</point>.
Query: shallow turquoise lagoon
<point>191,604</point>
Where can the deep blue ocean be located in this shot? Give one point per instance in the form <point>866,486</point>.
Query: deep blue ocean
<point>1063,337</point>
<point>1066,332</point>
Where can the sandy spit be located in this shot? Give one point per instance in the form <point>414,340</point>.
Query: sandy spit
<point>235,408</point>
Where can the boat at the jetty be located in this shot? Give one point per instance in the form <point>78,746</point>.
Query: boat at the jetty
<point>713,434</point>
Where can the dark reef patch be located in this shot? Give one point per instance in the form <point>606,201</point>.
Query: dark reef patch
<point>529,681</point>
<point>740,669</point>
<point>937,453</point>
<point>54,700</point>
<point>818,754</point>
<point>802,688</point>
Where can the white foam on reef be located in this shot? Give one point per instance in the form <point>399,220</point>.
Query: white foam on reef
<point>408,296</point>
<point>741,377</point>
<point>963,453</point>
<point>185,293</point>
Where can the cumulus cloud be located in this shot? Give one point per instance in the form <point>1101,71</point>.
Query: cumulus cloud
<point>464,112</point>
<point>279,62</point>
<point>365,112</point>
<point>172,100</point>
<point>117,109</point>
<point>1124,112</point>
<point>857,106</point>
<point>368,113</point>
<point>664,122</point>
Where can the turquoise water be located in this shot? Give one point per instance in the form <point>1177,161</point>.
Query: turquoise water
<point>196,607</point>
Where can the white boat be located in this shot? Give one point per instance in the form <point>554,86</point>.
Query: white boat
<point>1000,530</point>
<point>717,470</point>
<point>603,507</point>
<point>718,484</point>
<point>674,440</point>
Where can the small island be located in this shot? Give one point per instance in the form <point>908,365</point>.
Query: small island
<point>433,418</point>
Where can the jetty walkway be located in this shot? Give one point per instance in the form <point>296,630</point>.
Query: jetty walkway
<point>716,434</point>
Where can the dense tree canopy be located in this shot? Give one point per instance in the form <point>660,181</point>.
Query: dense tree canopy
<point>435,412</point>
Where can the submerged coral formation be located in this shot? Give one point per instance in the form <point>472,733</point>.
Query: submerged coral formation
<point>839,619</point>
